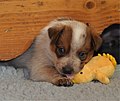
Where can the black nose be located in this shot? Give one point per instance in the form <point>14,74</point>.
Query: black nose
<point>67,69</point>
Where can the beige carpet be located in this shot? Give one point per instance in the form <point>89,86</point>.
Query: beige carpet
<point>13,87</point>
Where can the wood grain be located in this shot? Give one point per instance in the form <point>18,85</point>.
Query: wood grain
<point>22,20</point>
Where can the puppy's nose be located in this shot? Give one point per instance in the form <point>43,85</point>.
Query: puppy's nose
<point>67,69</point>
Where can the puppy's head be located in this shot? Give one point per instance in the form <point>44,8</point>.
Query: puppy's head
<point>73,45</point>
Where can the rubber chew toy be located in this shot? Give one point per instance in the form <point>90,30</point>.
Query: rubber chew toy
<point>99,68</point>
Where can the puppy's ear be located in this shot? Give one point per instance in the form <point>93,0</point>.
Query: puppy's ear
<point>96,40</point>
<point>54,31</point>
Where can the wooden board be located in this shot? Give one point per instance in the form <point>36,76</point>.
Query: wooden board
<point>22,20</point>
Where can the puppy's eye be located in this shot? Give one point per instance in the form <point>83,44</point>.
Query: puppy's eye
<point>61,51</point>
<point>82,56</point>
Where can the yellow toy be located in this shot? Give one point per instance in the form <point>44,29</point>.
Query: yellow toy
<point>99,68</point>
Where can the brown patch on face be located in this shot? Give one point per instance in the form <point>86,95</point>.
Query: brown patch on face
<point>60,39</point>
<point>92,43</point>
<point>96,40</point>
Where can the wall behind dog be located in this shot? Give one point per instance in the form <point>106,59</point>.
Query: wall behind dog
<point>22,20</point>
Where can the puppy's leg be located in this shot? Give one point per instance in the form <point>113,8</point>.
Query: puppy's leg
<point>49,74</point>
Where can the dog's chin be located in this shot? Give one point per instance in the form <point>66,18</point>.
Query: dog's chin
<point>70,75</point>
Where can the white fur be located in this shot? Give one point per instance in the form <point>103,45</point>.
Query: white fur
<point>79,29</point>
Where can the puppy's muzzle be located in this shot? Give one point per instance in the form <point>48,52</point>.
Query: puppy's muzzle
<point>67,69</point>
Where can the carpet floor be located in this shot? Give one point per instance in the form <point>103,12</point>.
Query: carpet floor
<point>14,87</point>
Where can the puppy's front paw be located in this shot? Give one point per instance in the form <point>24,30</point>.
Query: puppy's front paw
<point>66,82</point>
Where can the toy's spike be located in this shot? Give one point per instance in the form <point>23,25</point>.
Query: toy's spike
<point>99,55</point>
<point>104,54</point>
<point>108,55</point>
<point>114,61</point>
<point>111,57</point>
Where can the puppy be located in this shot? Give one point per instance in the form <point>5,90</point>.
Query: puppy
<point>61,50</point>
